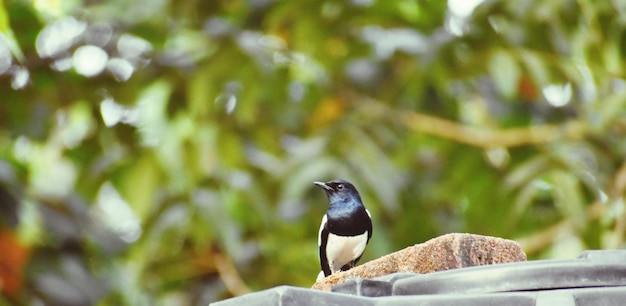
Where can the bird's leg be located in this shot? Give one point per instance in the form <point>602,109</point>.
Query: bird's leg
<point>348,266</point>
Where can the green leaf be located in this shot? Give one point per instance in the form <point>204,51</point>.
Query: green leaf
<point>5,28</point>
<point>152,118</point>
<point>505,72</point>
<point>568,196</point>
<point>139,185</point>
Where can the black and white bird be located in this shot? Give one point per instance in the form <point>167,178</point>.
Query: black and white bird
<point>345,230</point>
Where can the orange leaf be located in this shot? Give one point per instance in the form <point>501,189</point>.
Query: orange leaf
<point>527,89</point>
<point>327,111</point>
<point>13,258</point>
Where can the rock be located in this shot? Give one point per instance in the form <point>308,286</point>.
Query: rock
<point>445,252</point>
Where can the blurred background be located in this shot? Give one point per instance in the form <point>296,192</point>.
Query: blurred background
<point>163,152</point>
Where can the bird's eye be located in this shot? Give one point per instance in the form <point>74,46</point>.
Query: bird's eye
<point>340,186</point>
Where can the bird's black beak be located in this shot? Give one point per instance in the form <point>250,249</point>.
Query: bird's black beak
<point>323,185</point>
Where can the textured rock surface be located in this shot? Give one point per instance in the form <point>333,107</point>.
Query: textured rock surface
<point>446,252</point>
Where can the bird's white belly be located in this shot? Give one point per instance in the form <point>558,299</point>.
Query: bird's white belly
<point>341,250</point>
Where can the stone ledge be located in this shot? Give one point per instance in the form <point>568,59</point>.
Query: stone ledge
<point>451,251</point>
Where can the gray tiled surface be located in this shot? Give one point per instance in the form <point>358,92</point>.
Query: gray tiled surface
<point>595,278</point>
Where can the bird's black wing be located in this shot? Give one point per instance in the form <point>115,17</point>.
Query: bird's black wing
<point>369,235</point>
<point>323,241</point>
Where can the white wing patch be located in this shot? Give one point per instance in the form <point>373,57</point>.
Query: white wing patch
<point>319,234</point>
<point>341,250</point>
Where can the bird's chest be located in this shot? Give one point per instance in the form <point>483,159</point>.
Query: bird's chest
<point>341,250</point>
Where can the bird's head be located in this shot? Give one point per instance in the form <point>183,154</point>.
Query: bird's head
<point>339,191</point>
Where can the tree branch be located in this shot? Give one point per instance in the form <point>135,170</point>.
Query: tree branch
<point>539,241</point>
<point>228,273</point>
<point>475,136</point>
<point>489,138</point>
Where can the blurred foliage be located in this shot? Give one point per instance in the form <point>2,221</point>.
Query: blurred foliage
<point>163,152</point>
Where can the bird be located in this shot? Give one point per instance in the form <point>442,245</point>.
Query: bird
<point>345,230</point>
